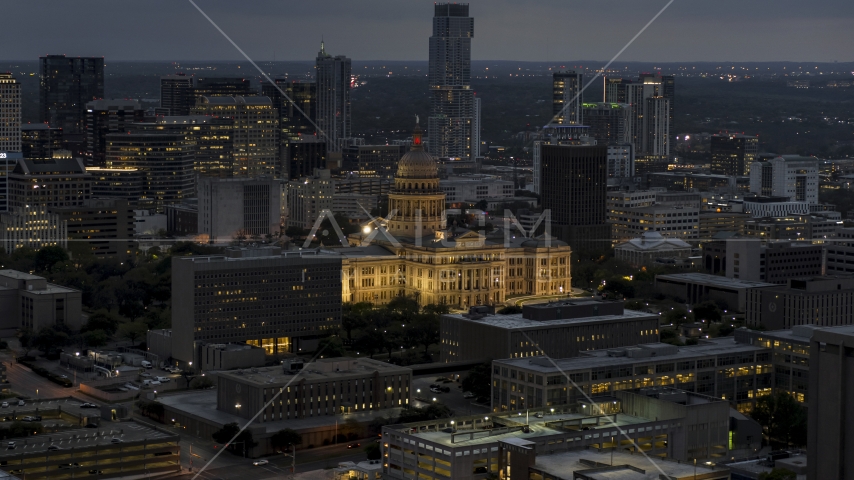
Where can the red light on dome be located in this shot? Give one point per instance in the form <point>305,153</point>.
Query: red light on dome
<point>416,140</point>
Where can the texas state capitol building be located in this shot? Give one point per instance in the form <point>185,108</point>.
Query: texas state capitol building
<point>413,252</point>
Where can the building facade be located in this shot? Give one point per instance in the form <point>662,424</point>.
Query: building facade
<point>40,140</point>
<point>475,187</point>
<point>53,182</point>
<point>822,301</point>
<point>573,188</point>
<point>608,122</point>
<point>308,197</point>
<point>333,97</point>
<point>772,262</point>
<point>372,160</point>
<point>165,161</point>
<point>10,113</point>
<point>791,176</point>
<point>566,97</point>
<point>33,227</point>
<point>326,387</point>
<point>733,154</point>
<point>104,225</point>
<point>66,85</point>
<point>104,117</point>
<point>176,94</point>
<point>30,303</point>
<point>279,301</point>
<point>231,208</point>
<point>650,247</point>
<point>452,105</point>
<point>670,222</point>
<point>254,134</point>
<point>562,329</point>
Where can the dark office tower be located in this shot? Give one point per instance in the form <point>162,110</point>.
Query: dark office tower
<point>333,97</point>
<point>304,156</point>
<point>40,140</point>
<point>164,160</point>
<point>608,122</point>
<point>10,113</point>
<point>615,90</point>
<point>176,94</point>
<point>292,123</point>
<point>566,99</point>
<point>452,109</point>
<point>222,87</point>
<point>104,117</point>
<point>573,188</point>
<point>66,86</point>
<point>372,160</point>
<point>733,154</point>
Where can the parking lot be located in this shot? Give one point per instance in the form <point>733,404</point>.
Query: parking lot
<point>453,399</point>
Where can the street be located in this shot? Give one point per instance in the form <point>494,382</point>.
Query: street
<point>27,383</point>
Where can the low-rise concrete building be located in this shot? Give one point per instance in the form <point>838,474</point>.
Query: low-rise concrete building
<point>121,449</point>
<point>466,448</point>
<point>29,302</point>
<point>325,387</point>
<point>649,247</point>
<point>228,356</point>
<point>674,222</point>
<point>721,368</point>
<point>823,301</point>
<point>698,287</point>
<point>561,329</point>
<point>106,225</point>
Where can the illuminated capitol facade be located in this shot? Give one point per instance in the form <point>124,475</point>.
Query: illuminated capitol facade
<point>413,252</point>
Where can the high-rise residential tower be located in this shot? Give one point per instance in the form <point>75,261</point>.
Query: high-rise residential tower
<point>333,97</point>
<point>66,86</point>
<point>566,102</point>
<point>40,140</point>
<point>10,113</point>
<point>452,104</point>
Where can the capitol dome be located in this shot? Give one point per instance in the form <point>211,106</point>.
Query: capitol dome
<point>417,163</point>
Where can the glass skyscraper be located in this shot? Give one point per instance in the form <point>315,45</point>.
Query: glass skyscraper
<point>333,97</point>
<point>66,86</point>
<point>452,109</point>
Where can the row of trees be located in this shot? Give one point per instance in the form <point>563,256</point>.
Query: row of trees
<point>127,297</point>
<point>401,323</point>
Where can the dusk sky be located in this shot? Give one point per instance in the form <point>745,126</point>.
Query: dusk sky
<point>537,30</point>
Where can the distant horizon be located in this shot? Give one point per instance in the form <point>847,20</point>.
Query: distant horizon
<point>542,62</point>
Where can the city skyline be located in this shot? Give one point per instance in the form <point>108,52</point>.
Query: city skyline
<point>787,31</point>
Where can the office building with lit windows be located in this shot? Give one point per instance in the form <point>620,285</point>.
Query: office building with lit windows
<point>176,94</point>
<point>326,387</point>
<point>566,97</point>
<point>164,160</point>
<point>10,113</point>
<point>51,182</point>
<point>104,117</point>
<point>280,301</point>
<point>791,176</point>
<point>561,329</point>
<point>212,136</point>
<point>255,134</point>
<point>719,368</point>
<point>733,154</point>
<point>67,84</point>
<point>40,140</point>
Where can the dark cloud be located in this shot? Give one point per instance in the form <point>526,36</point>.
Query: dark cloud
<point>540,30</point>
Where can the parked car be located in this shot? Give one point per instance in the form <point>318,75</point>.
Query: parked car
<point>144,374</point>
<point>54,448</point>
<point>91,425</point>
<point>163,379</point>
<point>10,446</point>
<point>95,472</point>
<point>145,364</point>
<point>4,404</point>
<point>436,390</point>
<point>354,445</point>
<point>88,405</point>
<point>468,395</point>
<point>260,462</point>
<point>28,419</point>
<point>115,440</point>
<point>21,403</point>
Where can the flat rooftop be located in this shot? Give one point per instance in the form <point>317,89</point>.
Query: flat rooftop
<point>600,358</point>
<point>19,275</point>
<point>517,321</point>
<point>202,404</point>
<point>538,428</point>
<point>82,438</point>
<point>566,464</point>
<point>713,280</point>
<point>320,370</point>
